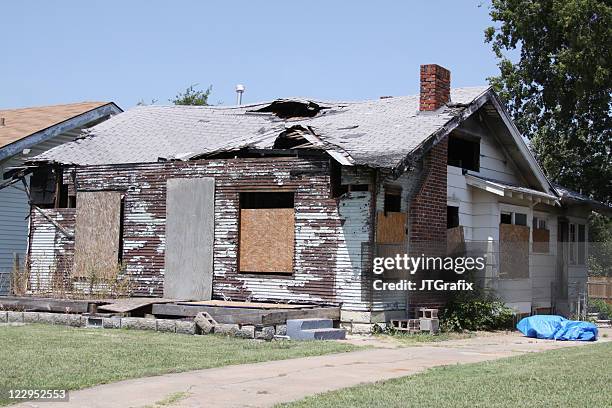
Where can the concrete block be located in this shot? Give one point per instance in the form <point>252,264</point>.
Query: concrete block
<point>313,329</point>
<point>111,322</point>
<point>47,318</point>
<point>353,316</point>
<point>166,325</point>
<point>204,322</point>
<point>227,329</point>
<point>185,327</point>
<point>361,328</point>
<point>266,333</point>
<point>30,317</point>
<point>14,317</point>
<point>246,332</point>
<point>138,323</point>
<point>3,317</point>
<point>65,319</point>
<point>281,329</point>
<point>430,325</point>
<point>307,324</point>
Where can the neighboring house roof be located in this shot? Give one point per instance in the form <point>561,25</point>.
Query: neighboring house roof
<point>22,128</point>
<point>377,133</point>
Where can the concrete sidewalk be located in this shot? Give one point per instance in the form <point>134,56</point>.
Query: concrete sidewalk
<point>268,383</point>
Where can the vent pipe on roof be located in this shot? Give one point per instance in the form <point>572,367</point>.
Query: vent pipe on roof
<point>239,92</point>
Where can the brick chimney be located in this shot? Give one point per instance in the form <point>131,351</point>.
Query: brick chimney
<point>435,87</point>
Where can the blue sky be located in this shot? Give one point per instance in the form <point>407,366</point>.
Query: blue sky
<point>124,51</point>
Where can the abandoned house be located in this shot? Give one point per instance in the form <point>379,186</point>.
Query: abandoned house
<point>289,201</point>
<point>25,133</point>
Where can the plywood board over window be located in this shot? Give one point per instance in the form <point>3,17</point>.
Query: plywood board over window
<point>514,251</point>
<point>541,239</point>
<point>390,227</point>
<point>267,240</point>
<point>97,234</point>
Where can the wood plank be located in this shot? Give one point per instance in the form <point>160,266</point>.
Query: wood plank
<point>267,239</point>
<point>96,237</point>
<point>249,305</point>
<point>281,317</point>
<point>221,315</point>
<point>46,304</point>
<point>129,304</point>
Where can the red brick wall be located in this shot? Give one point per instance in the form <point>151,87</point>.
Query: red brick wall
<point>428,205</point>
<point>435,87</point>
<point>427,214</point>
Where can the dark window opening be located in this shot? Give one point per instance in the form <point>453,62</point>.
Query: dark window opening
<point>267,232</point>
<point>520,219</point>
<point>581,244</point>
<point>266,200</point>
<point>42,187</point>
<point>464,153</point>
<point>452,217</point>
<point>359,187</point>
<point>506,218</point>
<point>393,202</point>
<point>72,201</point>
<point>62,198</point>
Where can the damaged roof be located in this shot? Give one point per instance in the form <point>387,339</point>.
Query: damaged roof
<point>375,133</point>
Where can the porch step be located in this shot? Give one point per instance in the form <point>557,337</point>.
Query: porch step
<point>314,329</point>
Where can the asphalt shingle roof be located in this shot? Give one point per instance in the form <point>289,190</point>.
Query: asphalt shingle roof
<point>378,133</point>
<point>20,123</point>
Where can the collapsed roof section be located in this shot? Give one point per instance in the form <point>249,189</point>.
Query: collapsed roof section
<point>378,133</point>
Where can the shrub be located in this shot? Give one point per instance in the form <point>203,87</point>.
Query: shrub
<point>599,306</point>
<point>476,311</point>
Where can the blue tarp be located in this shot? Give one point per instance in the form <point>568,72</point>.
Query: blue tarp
<point>557,328</point>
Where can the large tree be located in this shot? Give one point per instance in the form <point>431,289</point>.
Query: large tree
<point>555,61</point>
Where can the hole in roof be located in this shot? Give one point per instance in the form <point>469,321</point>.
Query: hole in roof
<point>292,109</point>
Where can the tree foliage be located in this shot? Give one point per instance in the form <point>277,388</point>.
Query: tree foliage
<point>558,89</point>
<point>192,96</point>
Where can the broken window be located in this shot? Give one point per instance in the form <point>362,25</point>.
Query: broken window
<point>42,187</point>
<point>464,153</point>
<point>393,199</point>
<point>391,222</point>
<point>452,217</point>
<point>267,231</point>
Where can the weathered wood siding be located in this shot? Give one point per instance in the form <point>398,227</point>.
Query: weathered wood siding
<point>329,233</point>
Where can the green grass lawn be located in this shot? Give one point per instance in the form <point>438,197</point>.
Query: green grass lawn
<point>58,357</point>
<point>576,377</point>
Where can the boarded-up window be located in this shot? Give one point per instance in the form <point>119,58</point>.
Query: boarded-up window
<point>541,236</point>
<point>98,222</point>
<point>390,228</point>
<point>514,251</point>
<point>267,231</point>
